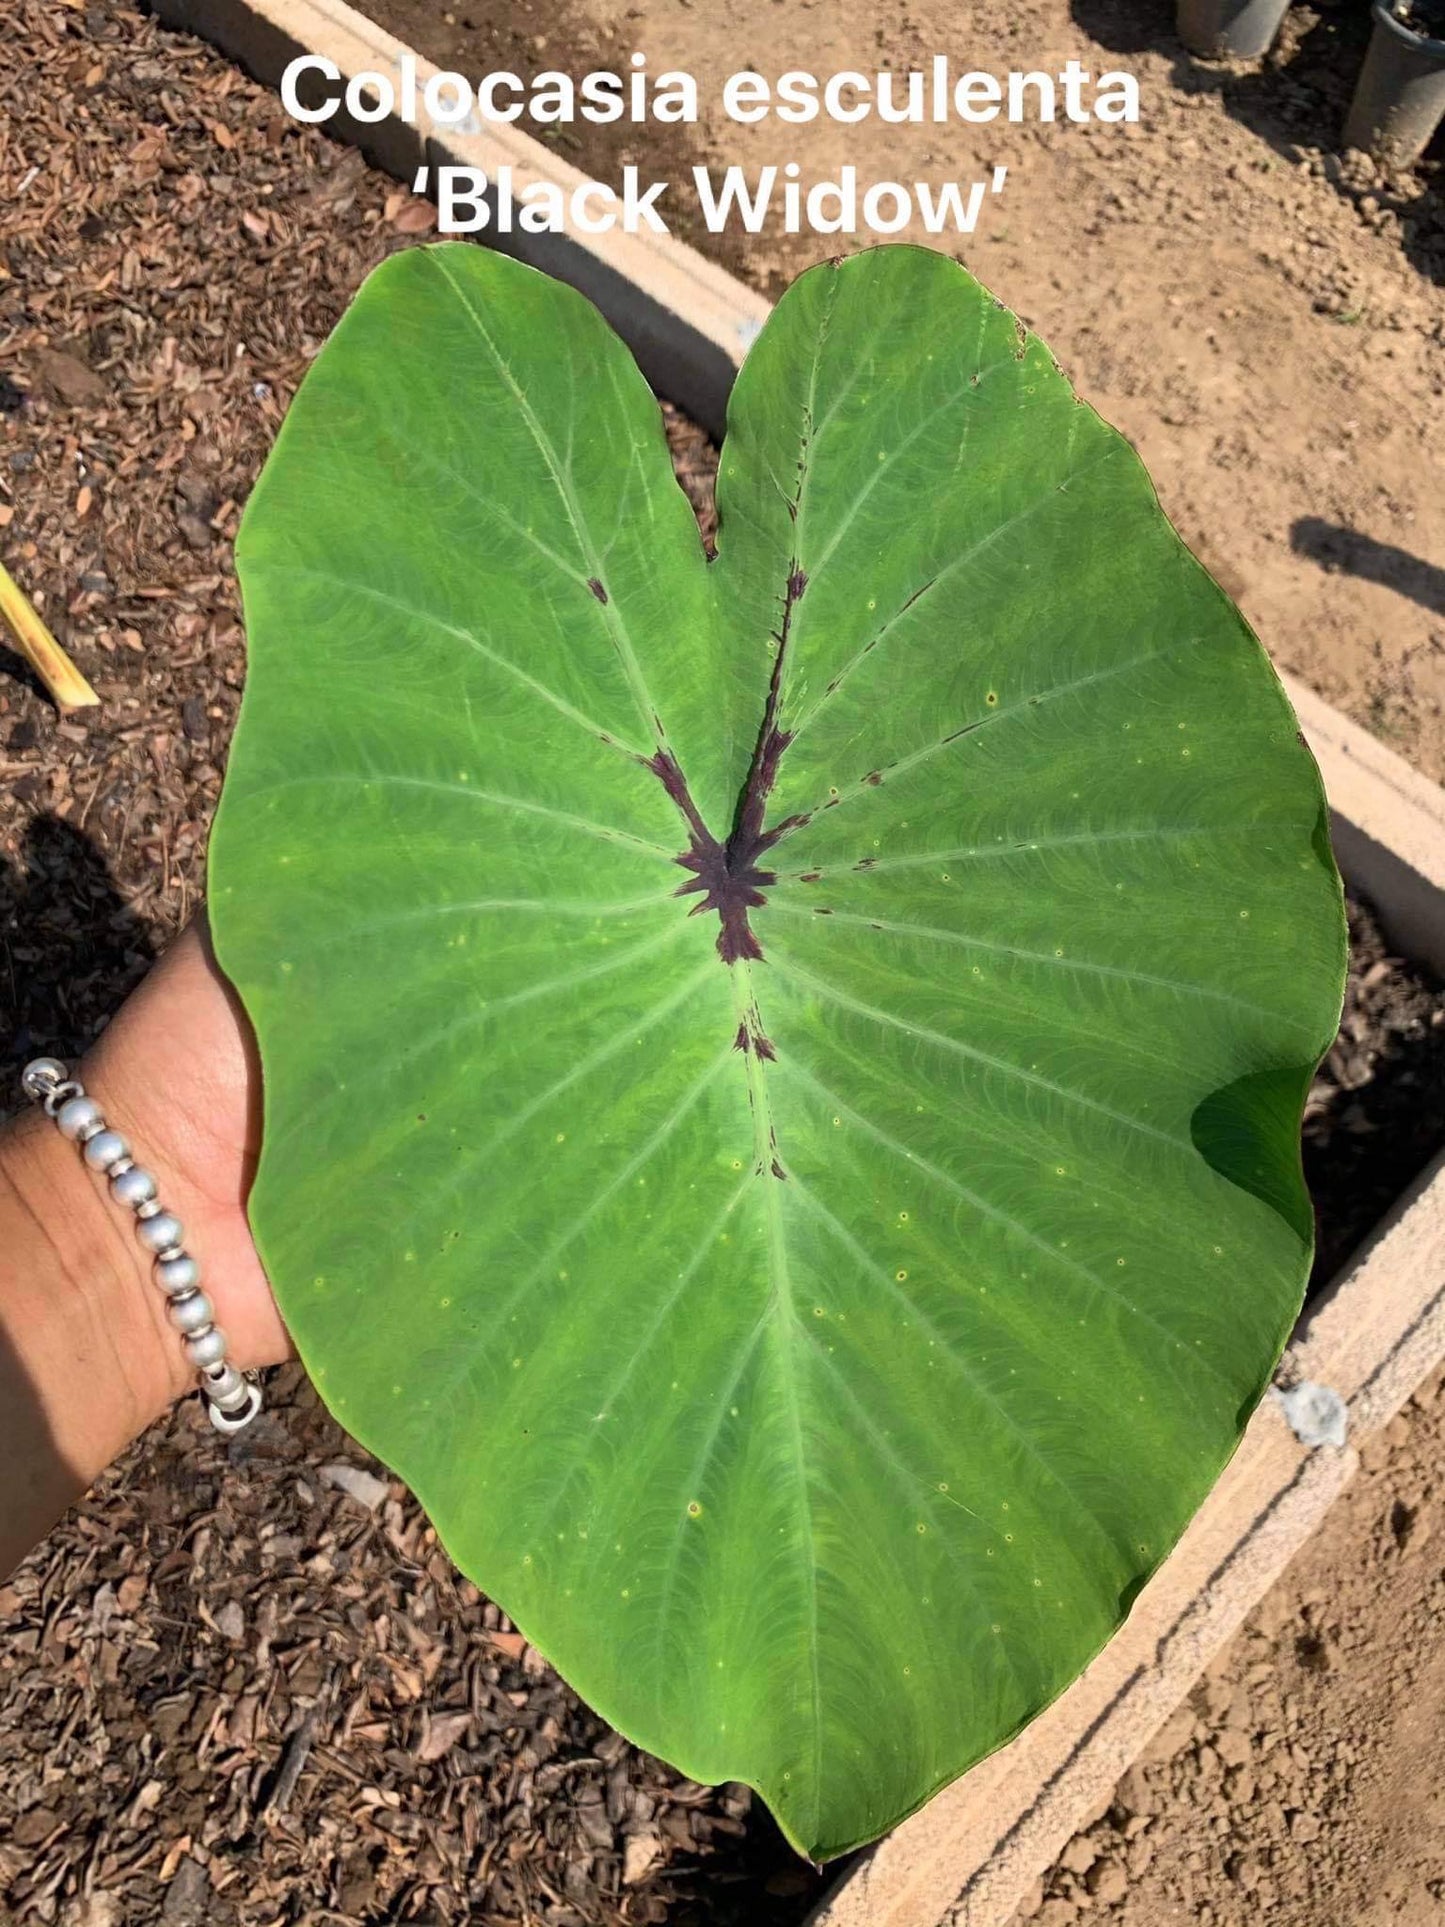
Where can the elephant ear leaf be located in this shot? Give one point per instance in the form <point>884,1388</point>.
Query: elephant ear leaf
<point>782,1078</point>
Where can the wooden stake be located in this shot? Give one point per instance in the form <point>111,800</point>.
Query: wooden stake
<point>68,688</point>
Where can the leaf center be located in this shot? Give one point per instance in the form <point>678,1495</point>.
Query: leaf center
<point>728,874</point>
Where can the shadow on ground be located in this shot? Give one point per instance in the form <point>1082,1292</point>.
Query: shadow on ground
<point>1340,549</point>
<point>69,947</point>
<point>15,668</point>
<point>69,951</point>
<point>1376,1115</point>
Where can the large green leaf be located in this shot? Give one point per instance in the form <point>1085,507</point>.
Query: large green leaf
<point>811,1321</point>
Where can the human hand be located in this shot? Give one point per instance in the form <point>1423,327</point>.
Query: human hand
<point>87,1356</point>
<point>176,1072</point>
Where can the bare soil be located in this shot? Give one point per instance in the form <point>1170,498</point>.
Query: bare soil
<point>230,1689</point>
<point>1264,319</point>
<point>1302,1783</point>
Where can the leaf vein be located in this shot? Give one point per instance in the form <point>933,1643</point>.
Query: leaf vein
<point>560,472</point>
<point>933,934</point>
<point>917,1162</point>
<point>940,1040</point>
<point>484,649</point>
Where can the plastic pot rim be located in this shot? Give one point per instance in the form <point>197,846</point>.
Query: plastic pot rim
<point>1420,42</point>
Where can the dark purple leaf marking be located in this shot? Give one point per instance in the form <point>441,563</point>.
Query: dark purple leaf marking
<point>728,874</point>
<point>750,1037</point>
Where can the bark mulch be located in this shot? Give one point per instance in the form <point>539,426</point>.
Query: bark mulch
<point>244,1684</point>
<point>241,1683</point>
<point>231,1690</point>
<point>1376,1112</point>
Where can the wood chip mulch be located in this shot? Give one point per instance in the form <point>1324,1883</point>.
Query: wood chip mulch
<point>233,1689</point>
<point>243,1684</point>
<point>1375,1116</point>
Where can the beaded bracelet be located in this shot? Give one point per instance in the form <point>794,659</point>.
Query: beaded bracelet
<point>232,1398</point>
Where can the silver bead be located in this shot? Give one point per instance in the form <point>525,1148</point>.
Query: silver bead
<point>227,1388</point>
<point>77,1115</point>
<point>177,1275</point>
<point>105,1149</point>
<point>191,1314</point>
<point>163,1232</point>
<point>235,1416</point>
<point>41,1075</point>
<point>246,1398</point>
<point>206,1348</point>
<point>133,1187</point>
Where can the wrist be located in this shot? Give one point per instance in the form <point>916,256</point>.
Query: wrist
<point>93,1343</point>
<point>82,1319</point>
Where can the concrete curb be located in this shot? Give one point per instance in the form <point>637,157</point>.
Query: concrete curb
<point>1388,825</point>
<point>969,1857</point>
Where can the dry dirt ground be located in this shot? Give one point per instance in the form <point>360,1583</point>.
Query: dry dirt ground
<point>232,1690</point>
<point>1267,325</point>
<point>1302,1784</point>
